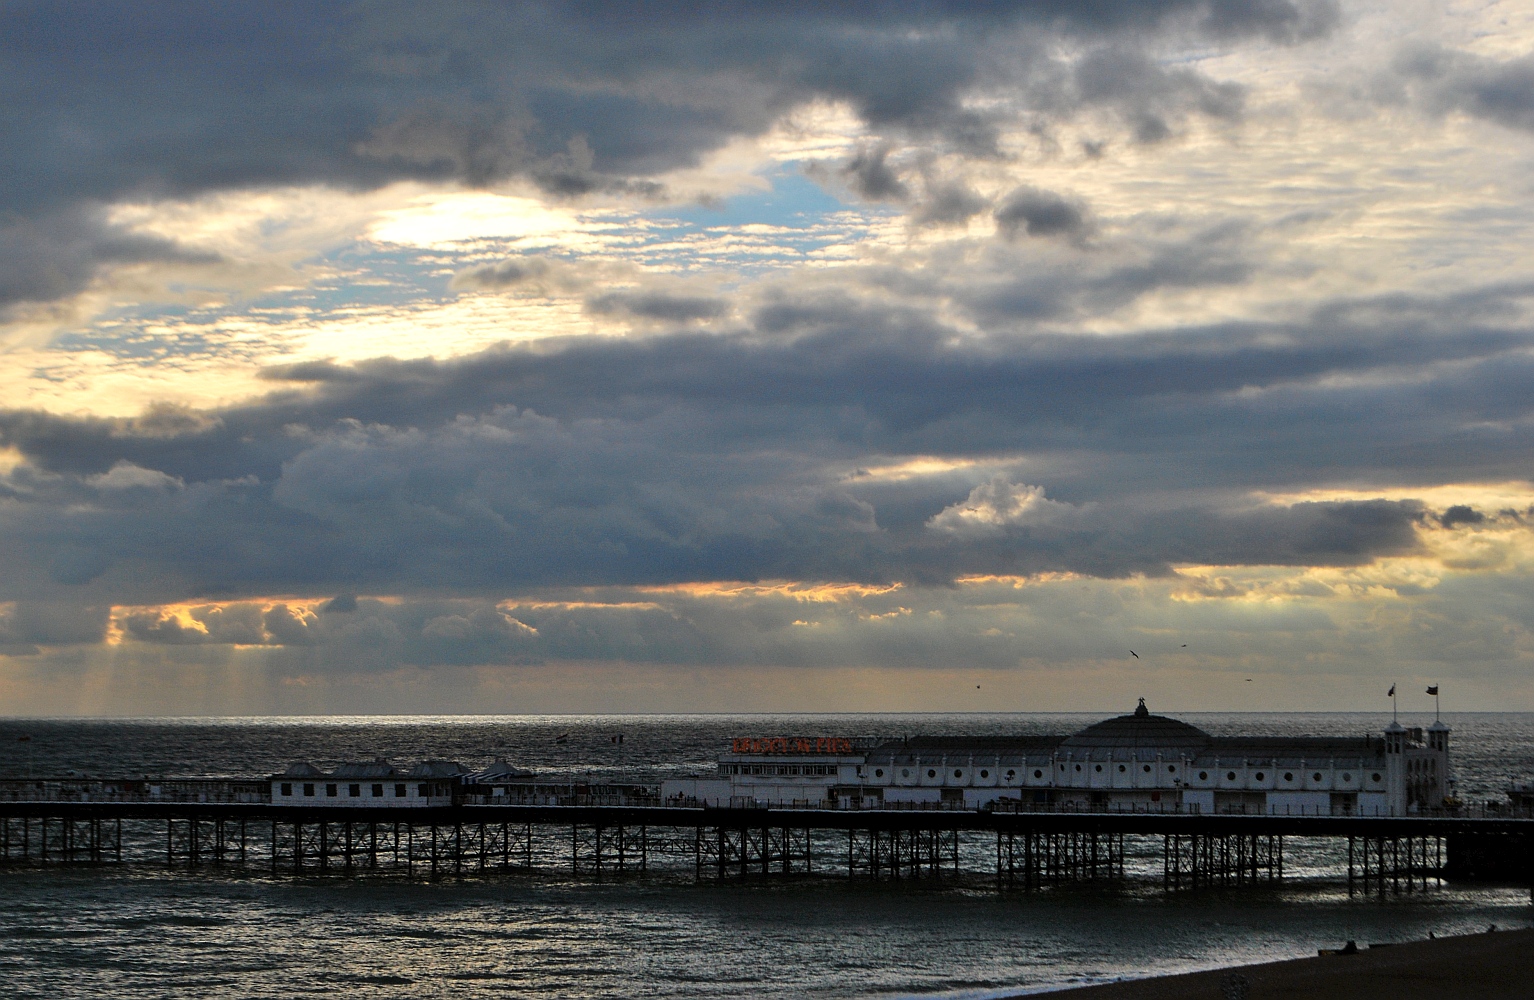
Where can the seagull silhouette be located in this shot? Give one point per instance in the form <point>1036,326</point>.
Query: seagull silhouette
<point>1134,654</point>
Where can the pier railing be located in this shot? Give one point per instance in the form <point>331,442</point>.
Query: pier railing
<point>147,790</point>
<point>83,789</point>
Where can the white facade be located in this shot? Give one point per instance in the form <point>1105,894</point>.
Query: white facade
<point>369,785</point>
<point>1139,762</point>
<point>804,779</point>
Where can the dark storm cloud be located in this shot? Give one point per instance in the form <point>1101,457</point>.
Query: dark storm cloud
<point>732,456</point>
<point>1039,213</point>
<point>1150,98</point>
<point>948,204</point>
<point>871,176</point>
<point>1449,80</point>
<point>1016,288</point>
<point>1460,514</point>
<point>107,102</point>
<point>50,623</point>
<point>657,306</point>
<point>58,254</point>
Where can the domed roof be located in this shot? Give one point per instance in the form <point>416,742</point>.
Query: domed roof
<point>1140,730</point>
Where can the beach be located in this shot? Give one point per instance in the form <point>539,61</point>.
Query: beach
<point>1490,966</point>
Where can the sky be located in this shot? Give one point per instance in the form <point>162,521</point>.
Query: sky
<point>590,357</point>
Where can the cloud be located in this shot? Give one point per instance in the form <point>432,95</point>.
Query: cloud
<point>949,203</point>
<point>995,507</point>
<point>1150,98</point>
<point>1461,514</point>
<point>1039,213</point>
<point>58,254</point>
<point>659,306</point>
<point>1501,91</point>
<point>578,98</point>
<point>127,476</point>
<point>25,623</point>
<point>677,458</point>
<point>871,176</point>
<point>507,274</point>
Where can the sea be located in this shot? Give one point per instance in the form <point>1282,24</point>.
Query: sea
<point>141,930</point>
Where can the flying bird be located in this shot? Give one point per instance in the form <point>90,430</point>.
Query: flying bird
<point>1185,645</point>
<point>561,737</point>
<point>1134,654</point>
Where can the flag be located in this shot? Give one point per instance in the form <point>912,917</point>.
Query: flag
<point>1392,692</point>
<point>1433,690</point>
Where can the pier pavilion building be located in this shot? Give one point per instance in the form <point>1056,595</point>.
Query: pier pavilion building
<point>1133,763</point>
<point>369,784</point>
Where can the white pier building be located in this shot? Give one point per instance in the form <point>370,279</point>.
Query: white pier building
<point>372,784</point>
<point>1138,762</point>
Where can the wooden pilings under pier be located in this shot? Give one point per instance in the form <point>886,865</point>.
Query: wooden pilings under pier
<point>1397,863</point>
<point>1017,850</point>
<point>1033,858</point>
<point>63,838</point>
<point>1200,859</point>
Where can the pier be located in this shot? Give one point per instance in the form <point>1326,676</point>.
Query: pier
<point>1014,849</point>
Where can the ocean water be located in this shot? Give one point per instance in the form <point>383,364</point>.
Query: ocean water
<point>141,931</point>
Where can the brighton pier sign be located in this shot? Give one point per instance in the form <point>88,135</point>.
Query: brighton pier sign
<point>791,744</point>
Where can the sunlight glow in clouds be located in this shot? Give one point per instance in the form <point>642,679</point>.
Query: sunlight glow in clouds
<point>823,360</point>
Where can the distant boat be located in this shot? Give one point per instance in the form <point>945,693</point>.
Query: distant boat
<point>561,737</point>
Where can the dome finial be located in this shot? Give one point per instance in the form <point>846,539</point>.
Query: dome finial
<point>1141,710</point>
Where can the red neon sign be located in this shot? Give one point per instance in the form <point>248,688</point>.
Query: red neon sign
<point>791,744</point>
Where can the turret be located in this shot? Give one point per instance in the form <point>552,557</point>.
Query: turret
<point>1395,768</point>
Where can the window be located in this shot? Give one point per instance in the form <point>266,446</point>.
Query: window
<point>308,789</point>
<point>1121,768</point>
<point>1230,776</point>
<point>330,790</point>
<point>931,773</point>
<point>1145,768</point>
<point>958,773</point>
<point>399,791</point>
<point>1259,775</point>
<point>1316,776</point>
<point>1288,775</point>
<point>287,789</point>
<point>1171,768</point>
<point>1078,767</point>
<point>878,772</point>
<point>424,791</point>
<point>1375,776</point>
<point>1203,776</point>
<point>1347,776</point>
<point>984,773</point>
<point>905,772</point>
<point>377,791</point>
<point>1099,768</point>
<point>1036,774</point>
<point>355,791</point>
